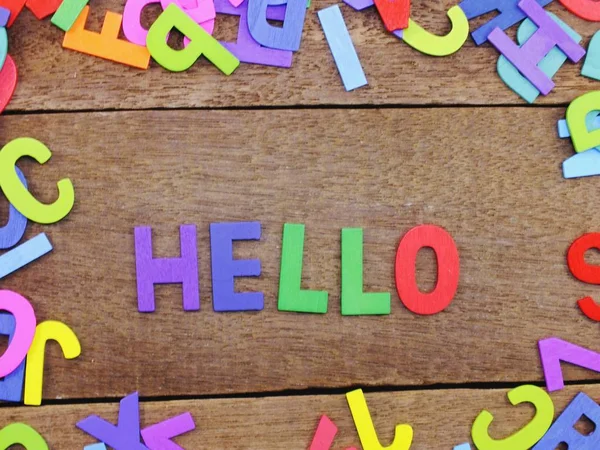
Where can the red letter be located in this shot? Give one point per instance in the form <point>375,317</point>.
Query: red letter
<point>586,9</point>
<point>585,272</point>
<point>447,274</point>
<point>394,13</point>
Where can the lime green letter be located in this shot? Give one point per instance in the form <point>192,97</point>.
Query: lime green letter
<point>19,433</point>
<point>529,434</point>
<point>433,45</point>
<point>18,195</point>
<point>583,139</point>
<point>201,43</point>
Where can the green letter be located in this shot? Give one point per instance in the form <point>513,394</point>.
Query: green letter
<point>354,301</point>
<point>291,297</point>
<point>201,43</point>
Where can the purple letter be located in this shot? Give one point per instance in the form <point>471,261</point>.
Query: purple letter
<point>246,49</point>
<point>510,14</point>
<point>158,436</point>
<point>554,350</point>
<point>124,436</point>
<point>526,57</point>
<point>224,267</point>
<point>151,271</point>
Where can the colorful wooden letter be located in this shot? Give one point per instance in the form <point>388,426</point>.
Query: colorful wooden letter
<point>342,48</point>
<point>13,231</point>
<point>132,28</point>
<point>34,373</point>
<point>106,44</point>
<point>201,43</point>
<point>355,302</point>
<point>563,430</point>
<point>584,164</point>
<point>554,350</point>
<point>14,7</point>
<point>3,45</point>
<point>42,8</point>
<point>225,268</point>
<point>246,49</point>
<point>8,82</point>
<point>200,11</point>
<point>579,268</point>
<point>583,138</point>
<point>433,45</point>
<point>291,296</point>
<point>158,436</point>
<point>591,66</point>
<point>548,36</point>
<point>22,338</point>
<point>550,64</point>
<point>509,14</point>
<point>151,271</point>
<point>366,430</point>
<point>24,254</point>
<point>448,269</point>
<point>67,13</point>
<point>4,16</point>
<point>526,436</point>
<point>287,37</point>
<point>124,436</point>
<point>11,387</point>
<point>16,192</point>
<point>394,13</point>
<point>98,446</point>
<point>586,9</point>
<point>20,433</point>
<point>325,434</point>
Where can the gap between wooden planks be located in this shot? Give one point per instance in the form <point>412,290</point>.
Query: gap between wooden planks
<point>440,419</point>
<point>52,78</point>
<point>490,176</point>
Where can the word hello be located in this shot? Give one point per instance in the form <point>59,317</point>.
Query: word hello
<point>184,270</point>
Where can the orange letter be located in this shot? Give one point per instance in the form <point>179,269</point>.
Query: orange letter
<point>106,44</point>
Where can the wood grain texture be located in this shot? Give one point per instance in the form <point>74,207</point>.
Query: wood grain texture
<point>52,78</point>
<point>490,176</point>
<point>440,419</point>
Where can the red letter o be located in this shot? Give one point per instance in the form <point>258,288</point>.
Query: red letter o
<point>447,274</point>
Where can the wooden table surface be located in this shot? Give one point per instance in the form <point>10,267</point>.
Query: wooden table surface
<point>430,140</point>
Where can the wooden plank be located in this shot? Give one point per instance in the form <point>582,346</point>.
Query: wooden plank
<point>440,419</point>
<point>490,176</point>
<point>52,78</point>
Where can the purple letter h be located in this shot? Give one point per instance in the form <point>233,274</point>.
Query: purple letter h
<point>151,271</point>
<point>548,36</point>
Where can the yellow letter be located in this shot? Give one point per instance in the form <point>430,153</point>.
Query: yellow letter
<point>366,429</point>
<point>529,434</point>
<point>430,44</point>
<point>34,371</point>
<point>19,196</point>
